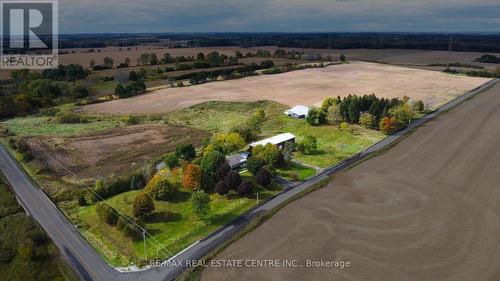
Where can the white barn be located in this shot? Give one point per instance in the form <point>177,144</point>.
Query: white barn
<point>298,111</point>
<point>278,140</point>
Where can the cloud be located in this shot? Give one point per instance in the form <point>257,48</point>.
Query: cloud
<point>90,16</point>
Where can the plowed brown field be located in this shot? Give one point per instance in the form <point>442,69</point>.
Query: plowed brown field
<point>307,87</point>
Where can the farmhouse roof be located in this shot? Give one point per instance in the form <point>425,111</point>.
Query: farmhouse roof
<point>237,159</point>
<point>274,140</point>
<point>299,110</point>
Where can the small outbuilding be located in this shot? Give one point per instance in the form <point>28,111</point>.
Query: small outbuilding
<point>278,140</point>
<point>298,111</point>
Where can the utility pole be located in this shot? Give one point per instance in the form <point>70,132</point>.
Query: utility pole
<point>144,239</point>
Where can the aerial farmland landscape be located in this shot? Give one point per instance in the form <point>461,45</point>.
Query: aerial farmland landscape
<point>252,141</point>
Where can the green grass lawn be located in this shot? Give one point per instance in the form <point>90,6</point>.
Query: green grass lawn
<point>104,88</point>
<point>222,116</point>
<point>291,169</point>
<point>334,145</point>
<point>172,223</point>
<point>35,126</point>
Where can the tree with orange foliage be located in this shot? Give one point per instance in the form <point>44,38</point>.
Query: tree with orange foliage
<point>389,125</point>
<point>192,177</point>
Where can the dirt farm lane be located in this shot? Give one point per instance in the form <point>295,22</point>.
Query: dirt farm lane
<point>427,209</point>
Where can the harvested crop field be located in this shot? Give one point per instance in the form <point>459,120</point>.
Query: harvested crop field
<point>113,151</point>
<point>306,87</point>
<point>427,209</point>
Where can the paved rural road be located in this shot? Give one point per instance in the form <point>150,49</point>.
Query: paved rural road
<point>91,267</point>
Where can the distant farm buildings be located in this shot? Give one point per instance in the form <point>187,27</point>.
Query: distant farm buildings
<point>298,111</point>
<point>278,140</point>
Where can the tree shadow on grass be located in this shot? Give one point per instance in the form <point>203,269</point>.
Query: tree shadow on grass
<point>180,196</point>
<point>220,219</point>
<point>316,152</point>
<point>234,196</point>
<point>162,217</point>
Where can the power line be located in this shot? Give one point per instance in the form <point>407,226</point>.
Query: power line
<point>140,230</point>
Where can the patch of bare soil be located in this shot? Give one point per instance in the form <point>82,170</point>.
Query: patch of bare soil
<point>115,151</point>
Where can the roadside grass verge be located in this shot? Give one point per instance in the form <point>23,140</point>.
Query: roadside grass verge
<point>18,231</point>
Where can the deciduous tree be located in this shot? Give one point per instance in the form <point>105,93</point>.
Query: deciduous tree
<point>200,202</point>
<point>263,177</point>
<point>143,206</point>
<point>192,177</point>
<point>245,187</point>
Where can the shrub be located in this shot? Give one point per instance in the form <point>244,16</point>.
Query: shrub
<point>107,214</point>
<point>143,205</point>
<point>6,255</point>
<point>418,106</point>
<point>79,92</point>
<point>49,111</point>
<point>81,200</point>
<point>121,223</point>
<point>26,250</point>
<point>300,147</point>
<point>232,179</point>
<point>171,160</point>
<point>131,120</point>
<point>245,187</point>
<point>137,181</point>
<point>185,151</point>
<point>310,144</point>
<point>117,185</point>
<point>344,126</point>
<point>263,177</point>
<point>254,163</point>
<point>366,120</point>
<point>67,117</point>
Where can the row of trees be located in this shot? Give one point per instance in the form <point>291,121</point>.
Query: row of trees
<point>132,89</point>
<point>30,91</point>
<point>70,73</point>
<point>367,110</point>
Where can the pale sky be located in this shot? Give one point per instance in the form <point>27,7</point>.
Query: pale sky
<point>123,16</point>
